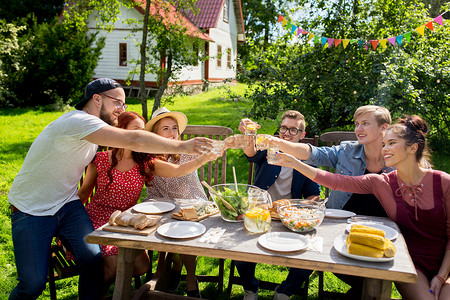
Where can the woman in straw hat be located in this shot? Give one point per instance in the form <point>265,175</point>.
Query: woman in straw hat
<point>171,124</point>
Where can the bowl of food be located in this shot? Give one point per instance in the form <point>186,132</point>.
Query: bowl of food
<point>233,203</point>
<point>302,215</point>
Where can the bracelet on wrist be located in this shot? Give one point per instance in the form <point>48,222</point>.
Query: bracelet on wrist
<point>442,280</point>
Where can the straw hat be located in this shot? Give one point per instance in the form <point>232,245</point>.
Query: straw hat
<point>162,113</point>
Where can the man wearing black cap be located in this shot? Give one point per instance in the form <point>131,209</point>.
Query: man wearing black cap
<point>43,196</point>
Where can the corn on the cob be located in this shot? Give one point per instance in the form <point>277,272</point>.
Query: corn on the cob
<point>367,239</point>
<point>390,251</point>
<point>363,250</point>
<point>367,229</point>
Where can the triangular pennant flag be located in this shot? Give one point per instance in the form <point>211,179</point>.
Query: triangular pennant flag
<point>330,42</point>
<point>383,42</point>
<point>430,25</point>
<point>345,43</point>
<point>421,30</point>
<point>392,40</point>
<point>360,43</point>
<point>374,44</point>
<point>399,39</point>
<point>288,26</point>
<point>298,31</point>
<point>367,48</point>
<point>323,40</point>
<point>310,36</point>
<point>293,29</point>
<point>353,41</point>
<point>337,42</point>
<point>407,36</point>
<point>280,18</point>
<point>284,22</point>
<point>316,39</point>
<point>305,32</point>
<point>438,20</point>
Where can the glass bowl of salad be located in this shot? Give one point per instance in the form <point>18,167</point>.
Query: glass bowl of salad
<point>302,215</point>
<point>233,203</point>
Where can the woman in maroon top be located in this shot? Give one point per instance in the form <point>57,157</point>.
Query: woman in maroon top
<point>417,198</point>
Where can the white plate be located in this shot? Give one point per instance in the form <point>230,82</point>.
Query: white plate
<point>341,247</point>
<point>152,208</point>
<point>338,213</point>
<point>283,241</point>
<point>390,233</point>
<point>181,230</point>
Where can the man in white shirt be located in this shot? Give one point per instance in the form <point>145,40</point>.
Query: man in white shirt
<point>43,196</point>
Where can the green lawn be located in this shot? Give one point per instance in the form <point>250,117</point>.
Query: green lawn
<point>20,127</point>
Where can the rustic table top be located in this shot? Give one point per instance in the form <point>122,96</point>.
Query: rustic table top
<point>238,244</point>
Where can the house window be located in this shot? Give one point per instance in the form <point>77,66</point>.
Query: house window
<point>196,51</point>
<point>219,56</point>
<point>229,58</point>
<point>123,54</point>
<point>225,11</point>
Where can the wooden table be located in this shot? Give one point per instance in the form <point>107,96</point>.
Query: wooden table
<point>237,244</point>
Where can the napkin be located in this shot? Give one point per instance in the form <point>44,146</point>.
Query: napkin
<point>212,236</point>
<point>315,243</point>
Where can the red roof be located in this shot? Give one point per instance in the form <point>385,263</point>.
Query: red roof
<point>173,16</point>
<point>209,11</point>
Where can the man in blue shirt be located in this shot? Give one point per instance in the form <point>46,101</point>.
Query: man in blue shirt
<point>281,183</point>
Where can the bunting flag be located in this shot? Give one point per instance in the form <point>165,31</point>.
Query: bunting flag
<point>421,30</point>
<point>329,42</point>
<point>345,43</point>
<point>280,18</point>
<point>374,44</point>
<point>294,28</point>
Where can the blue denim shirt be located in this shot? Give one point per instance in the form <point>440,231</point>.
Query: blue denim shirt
<point>346,159</point>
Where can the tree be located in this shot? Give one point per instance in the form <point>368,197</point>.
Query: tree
<point>44,11</point>
<point>50,66</point>
<point>328,84</point>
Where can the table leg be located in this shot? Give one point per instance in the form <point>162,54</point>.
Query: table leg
<point>376,289</point>
<point>124,272</point>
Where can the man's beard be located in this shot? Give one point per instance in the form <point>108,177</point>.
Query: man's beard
<point>107,117</point>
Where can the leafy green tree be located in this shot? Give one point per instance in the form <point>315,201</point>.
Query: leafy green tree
<point>54,62</point>
<point>44,10</point>
<point>327,85</point>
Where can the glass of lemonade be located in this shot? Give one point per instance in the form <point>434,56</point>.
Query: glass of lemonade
<point>257,217</point>
<point>250,129</point>
<point>262,141</point>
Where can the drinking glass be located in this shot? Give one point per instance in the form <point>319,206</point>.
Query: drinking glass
<point>217,147</point>
<point>250,129</point>
<point>272,157</point>
<point>262,141</point>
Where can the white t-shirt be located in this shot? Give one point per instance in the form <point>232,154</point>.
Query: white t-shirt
<point>54,164</point>
<point>281,188</point>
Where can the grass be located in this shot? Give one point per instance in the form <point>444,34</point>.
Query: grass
<point>20,127</point>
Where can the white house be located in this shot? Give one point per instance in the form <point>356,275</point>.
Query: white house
<point>219,23</point>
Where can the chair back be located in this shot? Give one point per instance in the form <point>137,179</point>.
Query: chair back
<point>307,140</point>
<point>215,171</point>
<point>335,138</point>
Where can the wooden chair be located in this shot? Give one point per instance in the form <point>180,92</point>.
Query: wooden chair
<point>332,138</point>
<point>215,173</point>
<point>59,267</point>
<point>267,285</point>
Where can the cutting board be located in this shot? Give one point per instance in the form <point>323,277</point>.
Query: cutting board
<point>131,229</point>
<point>178,217</point>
